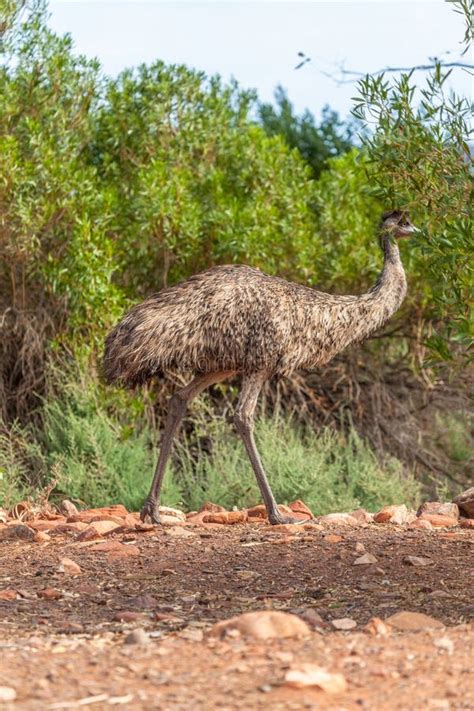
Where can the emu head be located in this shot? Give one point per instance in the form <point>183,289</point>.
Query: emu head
<point>397,224</point>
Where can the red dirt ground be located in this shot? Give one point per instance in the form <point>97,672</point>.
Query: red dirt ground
<point>68,651</point>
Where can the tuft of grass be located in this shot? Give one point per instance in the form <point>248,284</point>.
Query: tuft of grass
<point>98,460</point>
<point>329,471</point>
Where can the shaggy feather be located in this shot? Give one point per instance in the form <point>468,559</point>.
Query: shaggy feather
<point>237,318</point>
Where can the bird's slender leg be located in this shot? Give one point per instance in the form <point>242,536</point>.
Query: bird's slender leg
<point>176,410</point>
<point>244,424</point>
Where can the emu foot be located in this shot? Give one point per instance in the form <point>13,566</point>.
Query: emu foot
<point>277,518</point>
<point>150,510</point>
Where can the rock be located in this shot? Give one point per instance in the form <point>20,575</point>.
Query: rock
<point>366,559</point>
<point>465,501</point>
<point>137,636</point>
<point>307,675</point>
<point>257,512</point>
<point>436,507</point>
<point>299,507</point>
<point>179,532</point>
<point>412,621</point>
<point>212,508</point>
<point>439,520</point>
<point>73,527</point>
<point>359,547</point>
<point>287,528</point>
<point>262,624</point>
<point>445,643</point>
<point>376,626</point>
<point>192,634</point>
<point>175,513</point>
<point>42,537</point>
<point>226,517</point>
<point>7,693</point>
<point>311,617</point>
<point>144,602</point>
<point>421,524</point>
<point>115,548</point>
<point>344,623</point>
<point>362,516</point>
<point>68,508</point>
<point>69,567</point>
<point>127,616</point>
<point>467,522</point>
<point>40,524</point>
<point>50,594</point>
<point>417,561</point>
<point>339,519</point>
<point>124,552</point>
<point>97,529</point>
<point>333,538</point>
<point>8,594</point>
<point>105,512</point>
<point>17,532</point>
<point>394,514</point>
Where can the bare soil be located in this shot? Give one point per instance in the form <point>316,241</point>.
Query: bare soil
<point>69,650</point>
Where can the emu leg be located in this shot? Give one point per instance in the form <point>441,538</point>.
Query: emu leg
<point>244,424</point>
<point>177,408</point>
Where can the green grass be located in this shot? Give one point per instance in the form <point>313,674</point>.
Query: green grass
<point>96,460</point>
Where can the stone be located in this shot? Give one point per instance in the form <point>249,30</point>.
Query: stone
<point>68,508</point>
<point>17,532</point>
<point>228,518</point>
<point>311,617</point>
<point>366,559</point>
<point>8,594</point>
<point>333,538</point>
<point>210,507</point>
<point>465,501</point>
<point>407,621</point>
<point>376,626</point>
<point>362,516</point>
<point>69,567</point>
<point>262,624</point>
<point>42,537</point>
<point>359,547</point>
<point>106,512</point>
<point>299,507</point>
<point>175,513</point>
<point>436,507</point>
<point>257,512</point>
<point>338,519</point>
<point>43,525</point>
<point>445,643</point>
<point>421,524</point>
<point>50,594</point>
<point>144,602</point>
<point>124,552</point>
<point>344,623</point>
<point>179,532</point>
<point>417,561</point>
<point>137,636</point>
<point>466,522</point>
<point>306,675</point>
<point>127,616</point>
<point>397,514</point>
<point>439,520</point>
<point>290,528</point>
<point>7,693</point>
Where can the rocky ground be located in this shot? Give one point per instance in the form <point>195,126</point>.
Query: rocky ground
<point>219,610</point>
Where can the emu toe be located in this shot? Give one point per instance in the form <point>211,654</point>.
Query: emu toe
<point>276,520</point>
<point>151,511</point>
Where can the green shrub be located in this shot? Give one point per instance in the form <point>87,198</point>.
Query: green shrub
<point>329,471</point>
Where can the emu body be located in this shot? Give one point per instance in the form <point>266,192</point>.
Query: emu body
<point>235,319</point>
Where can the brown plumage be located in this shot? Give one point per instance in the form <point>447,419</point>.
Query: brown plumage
<point>236,319</point>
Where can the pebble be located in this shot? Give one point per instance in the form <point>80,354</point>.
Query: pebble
<point>341,519</point>
<point>417,560</point>
<point>262,624</point>
<point>397,514</point>
<point>439,520</point>
<point>436,507</point>
<point>376,626</point>
<point>17,532</point>
<point>465,501</point>
<point>344,623</point>
<point>137,636</point>
<point>179,532</point>
<point>70,567</point>
<point>407,621</point>
<point>366,559</point>
<point>307,675</point>
<point>7,693</point>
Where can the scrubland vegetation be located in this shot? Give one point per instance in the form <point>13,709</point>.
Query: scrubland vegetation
<point>111,188</point>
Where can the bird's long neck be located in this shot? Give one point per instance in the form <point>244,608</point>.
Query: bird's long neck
<point>350,319</point>
<point>373,309</point>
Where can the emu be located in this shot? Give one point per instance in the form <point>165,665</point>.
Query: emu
<point>234,319</point>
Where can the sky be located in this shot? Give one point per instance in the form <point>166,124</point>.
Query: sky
<point>257,43</point>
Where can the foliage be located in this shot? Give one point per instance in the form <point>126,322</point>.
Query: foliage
<point>419,160</point>
<point>97,460</point>
<point>316,143</point>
